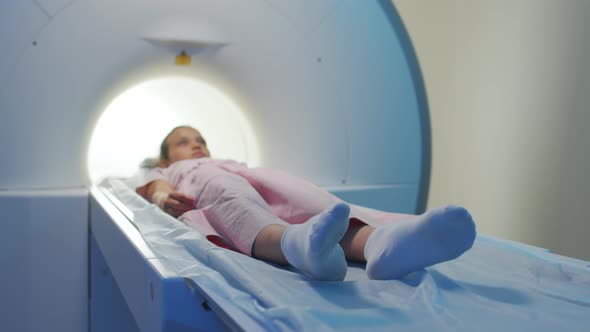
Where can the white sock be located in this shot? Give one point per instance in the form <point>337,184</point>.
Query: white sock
<point>313,247</point>
<point>395,250</point>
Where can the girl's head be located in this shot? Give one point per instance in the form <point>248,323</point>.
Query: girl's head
<point>181,143</point>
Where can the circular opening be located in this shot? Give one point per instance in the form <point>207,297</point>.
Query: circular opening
<point>133,125</point>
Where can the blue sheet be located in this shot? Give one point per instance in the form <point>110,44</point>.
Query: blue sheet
<point>497,286</point>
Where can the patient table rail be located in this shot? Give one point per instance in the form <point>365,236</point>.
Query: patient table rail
<point>158,299</point>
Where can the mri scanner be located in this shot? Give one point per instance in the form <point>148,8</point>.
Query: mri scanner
<point>328,90</point>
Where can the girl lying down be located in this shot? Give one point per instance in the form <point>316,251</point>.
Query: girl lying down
<point>270,215</point>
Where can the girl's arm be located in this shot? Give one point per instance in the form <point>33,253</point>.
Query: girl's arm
<point>163,194</point>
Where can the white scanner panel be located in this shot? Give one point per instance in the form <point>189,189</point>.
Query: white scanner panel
<point>332,96</point>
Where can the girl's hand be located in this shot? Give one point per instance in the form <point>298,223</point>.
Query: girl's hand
<point>163,195</point>
<point>174,203</point>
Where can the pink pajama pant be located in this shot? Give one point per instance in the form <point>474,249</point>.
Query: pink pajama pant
<point>235,203</point>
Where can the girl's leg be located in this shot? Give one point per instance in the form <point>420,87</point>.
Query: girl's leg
<point>354,240</point>
<point>391,250</point>
<point>292,199</point>
<point>392,244</point>
<point>238,214</point>
<point>311,247</point>
<point>235,211</point>
<point>267,245</point>
<point>295,200</point>
<point>397,249</point>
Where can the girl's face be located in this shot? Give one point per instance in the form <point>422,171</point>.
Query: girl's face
<point>185,143</point>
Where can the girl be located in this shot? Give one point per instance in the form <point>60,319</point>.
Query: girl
<point>270,215</point>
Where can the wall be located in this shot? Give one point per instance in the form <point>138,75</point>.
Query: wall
<point>509,91</point>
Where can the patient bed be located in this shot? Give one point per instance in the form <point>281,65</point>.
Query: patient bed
<point>150,272</point>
